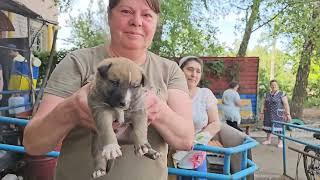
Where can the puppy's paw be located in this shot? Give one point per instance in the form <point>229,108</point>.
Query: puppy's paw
<point>98,173</point>
<point>141,149</point>
<point>152,154</point>
<point>111,151</point>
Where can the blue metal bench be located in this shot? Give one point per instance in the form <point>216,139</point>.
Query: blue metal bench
<point>247,166</point>
<point>284,137</point>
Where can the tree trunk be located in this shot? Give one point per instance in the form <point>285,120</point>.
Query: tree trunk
<point>300,88</point>
<point>248,30</point>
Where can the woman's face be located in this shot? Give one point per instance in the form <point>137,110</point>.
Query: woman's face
<point>236,88</point>
<point>192,71</point>
<point>274,86</point>
<point>132,24</point>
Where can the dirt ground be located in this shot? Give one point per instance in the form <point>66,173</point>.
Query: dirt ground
<point>311,114</point>
<point>269,158</point>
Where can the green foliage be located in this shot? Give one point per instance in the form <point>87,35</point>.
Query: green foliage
<point>44,57</point>
<point>314,81</point>
<point>182,32</point>
<point>217,69</point>
<point>233,72</point>
<point>214,68</point>
<point>89,27</point>
<point>312,102</point>
<point>210,69</point>
<point>64,5</point>
<point>284,71</point>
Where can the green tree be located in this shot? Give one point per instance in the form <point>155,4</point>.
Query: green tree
<point>284,72</point>
<point>89,28</point>
<point>301,24</point>
<point>254,15</point>
<point>184,30</point>
<point>64,5</point>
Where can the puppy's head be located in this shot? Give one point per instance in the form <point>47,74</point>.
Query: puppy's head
<point>116,78</point>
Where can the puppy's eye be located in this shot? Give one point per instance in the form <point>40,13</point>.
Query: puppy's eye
<point>115,83</point>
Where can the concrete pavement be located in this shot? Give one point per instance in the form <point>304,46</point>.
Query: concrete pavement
<point>269,157</point>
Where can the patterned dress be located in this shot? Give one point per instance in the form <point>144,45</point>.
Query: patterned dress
<point>273,111</point>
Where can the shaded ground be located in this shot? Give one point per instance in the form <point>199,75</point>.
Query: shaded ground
<point>269,157</point>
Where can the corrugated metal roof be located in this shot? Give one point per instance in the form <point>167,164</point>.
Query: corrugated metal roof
<point>28,9</point>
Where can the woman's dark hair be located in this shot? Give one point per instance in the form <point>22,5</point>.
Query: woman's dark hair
<point>153,4</point>
<point>273,80</point>
<point>233,84</point>
<point>191,59</point>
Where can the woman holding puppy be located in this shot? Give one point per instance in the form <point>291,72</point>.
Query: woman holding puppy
<point>64,114</point>
<point>204,113</point>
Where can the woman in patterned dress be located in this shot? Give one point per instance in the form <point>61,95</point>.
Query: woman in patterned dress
<point>275,107</point>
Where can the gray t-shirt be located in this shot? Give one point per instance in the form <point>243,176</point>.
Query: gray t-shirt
<point>75,161</point>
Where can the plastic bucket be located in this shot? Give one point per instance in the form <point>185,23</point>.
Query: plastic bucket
<point>39,168</point>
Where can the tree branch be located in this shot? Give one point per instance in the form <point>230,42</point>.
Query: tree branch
<point>267,22</point>
<point>288,4</point>
<point>245,9</point>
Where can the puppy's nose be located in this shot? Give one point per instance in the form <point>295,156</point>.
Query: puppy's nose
<point>122,104</point>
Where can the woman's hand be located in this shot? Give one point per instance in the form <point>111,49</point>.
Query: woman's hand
<point>153,106</point>
<point>261,115</point>
<point>287,118</point>
<point>81,112</point>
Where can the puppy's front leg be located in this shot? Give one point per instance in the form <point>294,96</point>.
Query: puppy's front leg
<point>139,131</point>
<point>107,137</point>
<point>99,162</point>
<point>140,138</point>
<point>105,147</point>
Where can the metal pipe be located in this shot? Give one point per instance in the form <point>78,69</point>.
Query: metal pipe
<point>17,92</point>
<point>19,122</point>
<point>12,107</point>
<point>244,173</point>
<point>21,149</point>
<point>244,160</point>
<point>298,126</point>
<point>252,167</point>
<point>226,164</point>
<point>284,153</point>
<point>250,144</point>
<point>298,141</point>
<point>48,71</point>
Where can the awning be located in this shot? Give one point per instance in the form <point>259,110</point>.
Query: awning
<point>5,23</point>
<point>23,7</point>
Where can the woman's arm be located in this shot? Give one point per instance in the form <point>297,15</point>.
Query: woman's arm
<point>214,123</point>
<point>237,100</point>
<point>54,119</point>
<point>261,114</point>
<point>286,108</point>
<point>174,122</point>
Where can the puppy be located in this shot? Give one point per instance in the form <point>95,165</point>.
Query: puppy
<point>117,93</point>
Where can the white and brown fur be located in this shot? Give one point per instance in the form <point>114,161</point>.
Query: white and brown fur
<point>117,93</point>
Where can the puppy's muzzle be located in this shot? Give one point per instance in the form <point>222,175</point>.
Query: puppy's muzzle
<point>122,104</point>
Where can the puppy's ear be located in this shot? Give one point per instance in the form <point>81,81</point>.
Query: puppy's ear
<point>103,70</point>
